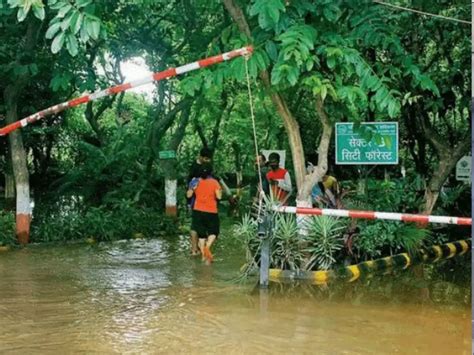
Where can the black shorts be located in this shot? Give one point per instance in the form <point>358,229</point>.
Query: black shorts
<point>205,223</point>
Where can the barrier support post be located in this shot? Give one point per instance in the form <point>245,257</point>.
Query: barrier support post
<point>264,232</point>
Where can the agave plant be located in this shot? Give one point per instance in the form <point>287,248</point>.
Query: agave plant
<point>286,251</point>
<point>411,238</point>
<point>324,240</point>
<point>246,231</point>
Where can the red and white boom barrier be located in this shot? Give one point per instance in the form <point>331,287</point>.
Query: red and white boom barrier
<point>403,217</point>
<point>169,73</point>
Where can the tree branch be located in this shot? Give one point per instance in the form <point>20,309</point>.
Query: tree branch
<point>200,133</point>
<point>161,126</point>
<point>433,137</point>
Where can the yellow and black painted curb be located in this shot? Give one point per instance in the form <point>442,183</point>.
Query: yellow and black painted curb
<point>353,272</point>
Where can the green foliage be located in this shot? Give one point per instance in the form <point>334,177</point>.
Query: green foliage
<point>324,240</point>
<point>245,232</point>
<point>24,7</point>
<point>320,87</point>
<point>286,251</point>
<point>119,220</point>
<point>71,19</point>
<point>365,62</point>
<point>379,237</point>
<point>296,44</point>
<point>268,11</point>
<point>7,230</point>
<point>107,174</point>
<point>118,168</point>
<point>388,195</point>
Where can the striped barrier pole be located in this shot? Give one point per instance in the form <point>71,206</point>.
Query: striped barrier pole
<point>169,73</point>
<point>403,217</point>
<point>353,272</point>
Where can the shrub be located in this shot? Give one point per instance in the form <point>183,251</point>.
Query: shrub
<point>377,238</point>
<point>286,251</point>
<point>122,219</point>
<point>7,228</point>
<point>324,240</point>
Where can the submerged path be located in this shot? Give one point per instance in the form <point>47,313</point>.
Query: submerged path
<point>149,296</point>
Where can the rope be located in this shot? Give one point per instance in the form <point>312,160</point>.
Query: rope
<point>257,151</point>
<point>421,12</point>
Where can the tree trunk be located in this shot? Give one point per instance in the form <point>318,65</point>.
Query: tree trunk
<point>171,187</point>
<point>20,168</point>
<point>446,165</point>
<point>17,151</point>
<point>448,158</point>
<point>294,137</point>
<point>169,166</point>
<point>323,149</point>
<point>9,185</point>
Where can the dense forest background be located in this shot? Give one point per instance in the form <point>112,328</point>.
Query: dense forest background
<point>95,171</point>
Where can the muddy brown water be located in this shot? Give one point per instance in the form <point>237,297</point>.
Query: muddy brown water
<point>150,297</point>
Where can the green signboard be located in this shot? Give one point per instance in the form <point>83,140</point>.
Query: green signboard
<point>167,154</point>
<point>353,149</point>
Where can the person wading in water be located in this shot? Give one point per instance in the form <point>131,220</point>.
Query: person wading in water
<point>205,157</point>
<point>205,217</point>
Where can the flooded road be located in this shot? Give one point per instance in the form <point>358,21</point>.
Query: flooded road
<point>150,297</point>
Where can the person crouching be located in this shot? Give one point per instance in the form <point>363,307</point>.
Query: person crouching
<point>205,219</point>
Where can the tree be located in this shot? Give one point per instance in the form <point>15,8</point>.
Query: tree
<point>311,48</point>
<point>12,93</point>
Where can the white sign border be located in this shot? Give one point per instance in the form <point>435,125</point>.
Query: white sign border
<point>367,123</point>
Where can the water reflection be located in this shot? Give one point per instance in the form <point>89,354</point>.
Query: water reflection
<point>149,296</point>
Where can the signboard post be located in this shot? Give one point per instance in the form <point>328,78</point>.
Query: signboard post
<point>463,169</point>
<point>353,149</point>
<point>167,154</point>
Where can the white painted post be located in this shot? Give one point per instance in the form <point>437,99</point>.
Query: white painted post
<point>170,197</point>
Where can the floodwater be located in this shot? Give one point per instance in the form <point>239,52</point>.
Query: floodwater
<point>150,297</point>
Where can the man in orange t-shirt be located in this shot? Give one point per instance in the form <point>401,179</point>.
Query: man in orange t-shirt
<point>205,218</point>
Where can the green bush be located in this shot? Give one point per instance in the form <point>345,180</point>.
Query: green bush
<point>245,232</point>
<point>7,229</point>
<point>286,250</point>
<point>290,250</point>
<point>322,247</point>
<point>377,238</point>
<point>120,220</point>
<point>324,240</point>
<point>401,195</point>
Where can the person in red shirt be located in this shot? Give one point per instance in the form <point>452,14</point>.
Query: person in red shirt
<point>205,217</point>
<point>279,179</point>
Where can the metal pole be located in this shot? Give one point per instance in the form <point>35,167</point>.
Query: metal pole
<point>264,232</point>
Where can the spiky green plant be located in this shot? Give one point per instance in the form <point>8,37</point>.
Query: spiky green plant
<point>324,240</point>
<point>286,251</point>
<point>246,232</point>
<point>411,238</point>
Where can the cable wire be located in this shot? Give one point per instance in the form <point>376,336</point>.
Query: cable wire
<point>421,12</point>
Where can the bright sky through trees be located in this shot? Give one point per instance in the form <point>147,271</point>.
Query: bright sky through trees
<point>135,69</point>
